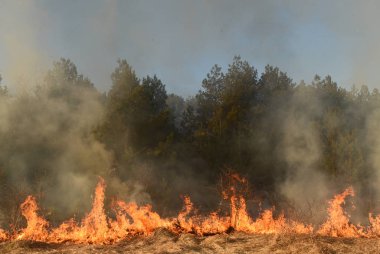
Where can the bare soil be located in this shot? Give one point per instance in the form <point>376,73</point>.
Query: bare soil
<point>163,241</point>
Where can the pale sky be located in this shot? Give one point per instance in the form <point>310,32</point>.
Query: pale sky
<point>181,40</point>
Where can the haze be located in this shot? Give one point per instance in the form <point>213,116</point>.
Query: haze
<point>180,40</point>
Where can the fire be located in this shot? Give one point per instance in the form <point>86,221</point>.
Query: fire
<point>131,219</point>
<point>338,223</point>
<point>3,235</point>
<point>239,218</point>
<point>143,219</point>
<point>94,228</point>
<point>36,228</point>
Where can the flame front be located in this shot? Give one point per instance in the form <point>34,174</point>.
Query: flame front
<point>131,220</point>
<point>338,223</point>
<point>36,228</point>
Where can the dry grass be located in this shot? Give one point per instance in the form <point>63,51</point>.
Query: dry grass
<point>163,241</point>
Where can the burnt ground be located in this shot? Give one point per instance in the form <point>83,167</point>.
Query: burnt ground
<point>163,241</point>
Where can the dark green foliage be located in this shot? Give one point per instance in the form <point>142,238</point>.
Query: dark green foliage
<point>137,121</point>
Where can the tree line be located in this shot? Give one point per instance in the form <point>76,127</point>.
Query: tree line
<point>262,125</point>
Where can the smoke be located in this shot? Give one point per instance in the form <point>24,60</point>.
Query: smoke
<point>204,32</point>
<point>328,149</point>
<point>47,143</point>
<point>373,144</point>
<point>25,61</point>
<point>305,185</point>
<point>47,148</point>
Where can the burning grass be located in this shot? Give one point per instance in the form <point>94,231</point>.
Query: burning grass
<point>132,220</point>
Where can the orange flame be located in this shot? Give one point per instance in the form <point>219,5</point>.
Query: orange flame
<point>36,228</point>
<point>94,227</point>
<point>338,223</point>
<point>131,220</point>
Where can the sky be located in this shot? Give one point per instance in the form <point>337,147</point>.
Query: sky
<point>181,40</point>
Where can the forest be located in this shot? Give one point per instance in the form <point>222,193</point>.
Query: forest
<point>296,143</point>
